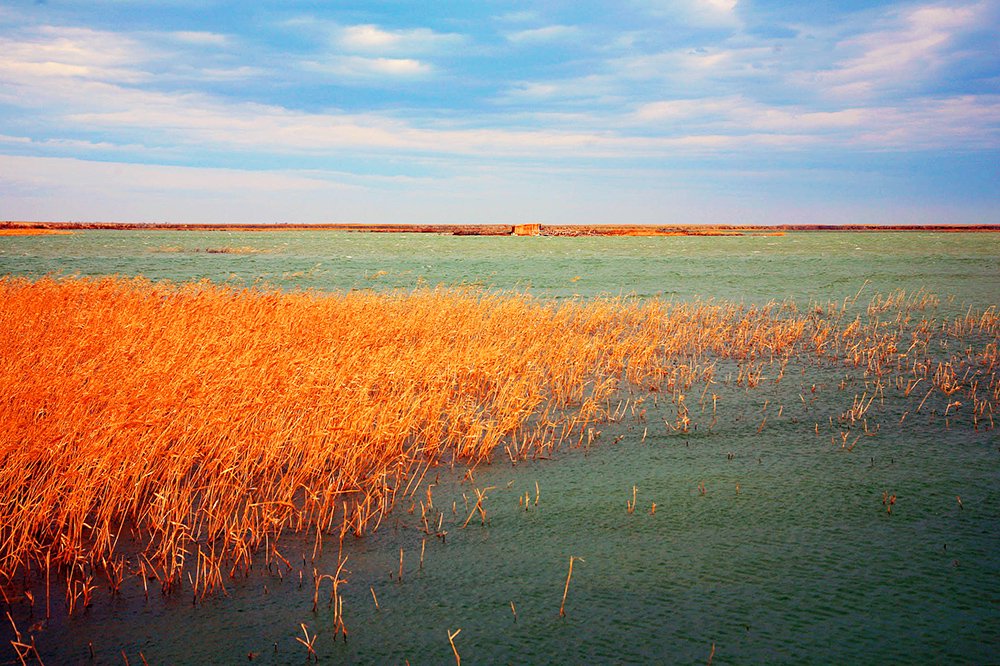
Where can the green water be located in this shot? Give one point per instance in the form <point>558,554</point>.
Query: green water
<point>803,266</point>
<point>801,565</point>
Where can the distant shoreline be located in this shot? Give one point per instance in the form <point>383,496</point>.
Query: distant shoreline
<point>27,228</point>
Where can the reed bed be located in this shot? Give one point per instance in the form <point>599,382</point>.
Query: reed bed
<point>176,431</point>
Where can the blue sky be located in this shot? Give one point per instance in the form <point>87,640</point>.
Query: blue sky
<point>636,111</point>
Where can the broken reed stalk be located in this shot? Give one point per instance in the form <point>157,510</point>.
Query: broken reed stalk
<point>630,506</point>
<point>480,498</point>
<point>18,643</point>
<point>562,606</point>
<point>309,643</point>
<point>451,640</point>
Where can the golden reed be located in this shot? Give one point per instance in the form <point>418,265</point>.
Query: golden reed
<point>197,422</point>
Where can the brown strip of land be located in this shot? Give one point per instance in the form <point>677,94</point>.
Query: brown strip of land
<point>20,228</point>
<point>20,231</point>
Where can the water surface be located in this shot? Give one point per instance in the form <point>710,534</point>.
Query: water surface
<point>801,564</point>
<point>799,265</point>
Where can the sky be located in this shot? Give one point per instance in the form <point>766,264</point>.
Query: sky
<point>626,112</point>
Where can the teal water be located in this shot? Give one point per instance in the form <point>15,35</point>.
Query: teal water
<point>803,266</point>
<point>801,565</point>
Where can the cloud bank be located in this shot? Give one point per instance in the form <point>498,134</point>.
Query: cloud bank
<point>673,101</point>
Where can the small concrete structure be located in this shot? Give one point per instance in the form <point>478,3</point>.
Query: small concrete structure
<point>527,230</point>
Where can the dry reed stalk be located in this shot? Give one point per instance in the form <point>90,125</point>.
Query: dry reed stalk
<point>309,643</point>
<point>451,640</point>
<point>480,498</point>
<point>18,643</point>
<point>630,505</point>
<point>562,606</point>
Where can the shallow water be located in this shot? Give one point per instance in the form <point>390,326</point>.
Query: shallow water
<point>802,265</point>
<point>801,564</point>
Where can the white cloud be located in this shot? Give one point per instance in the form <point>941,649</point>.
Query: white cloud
<point>963,122</point>
<point>648,106</point>
<point>368,37</point>
<point>73,53</point>
<point>400,66</point>
<point>595,88</point>
<point>708,69</point>
<point>358,67</point>
<point>739,114</point>
<point>550,33</point>
<point>200,38</point>
<point>43,171</point>
<point>194,119</point>
<point>372,39</point>
<point>902,50</point>
<point>73,144</point>
<point>209,74</point>
<point>525,16</point>
<point>51,52</point>
<point>698,13</point>
<point>719,123</point>
<point>718,5</point>
<point>685,109</point>
<point>47,188</point>
<point>368,53</point>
